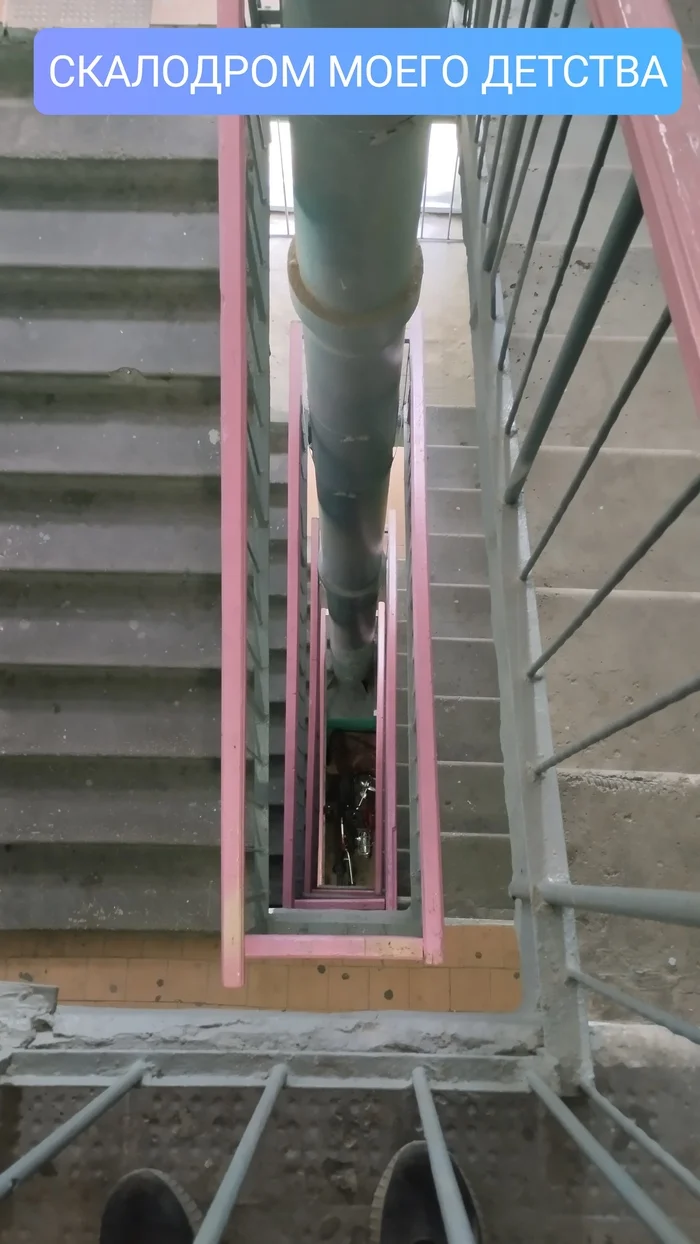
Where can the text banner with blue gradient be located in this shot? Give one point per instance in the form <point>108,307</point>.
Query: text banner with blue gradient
<point>355,72</point>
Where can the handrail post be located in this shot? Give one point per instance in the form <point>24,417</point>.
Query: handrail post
<point>454,1215</point>
<point>221,1208</point>
<point>31,1162</point>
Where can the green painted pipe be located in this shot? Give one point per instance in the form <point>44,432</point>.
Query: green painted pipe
<point>355,272</point>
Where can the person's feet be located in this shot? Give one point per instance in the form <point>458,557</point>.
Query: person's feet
<point>147,1207</point>
<point>405,1209</point>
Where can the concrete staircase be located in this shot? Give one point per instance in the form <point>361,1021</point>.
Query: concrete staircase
<point>631,805</point>
<point>109,526</point>
<point>475,844</point>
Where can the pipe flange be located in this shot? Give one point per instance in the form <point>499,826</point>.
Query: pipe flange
<point>350,333</point>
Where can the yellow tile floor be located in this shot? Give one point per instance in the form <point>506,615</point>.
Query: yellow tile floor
<point>480,973</point>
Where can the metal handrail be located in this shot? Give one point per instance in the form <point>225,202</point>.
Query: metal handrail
<point>426,805</point>
<point>294,621</point>
<point>663,152</point>
<point>392,646</point>
<point>234,520</point>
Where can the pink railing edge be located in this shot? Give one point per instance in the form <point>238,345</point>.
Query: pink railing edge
<point>322,744</point>
<point>665,157</point>
<point>380,752</point>
<point>312,734</point>
<point>426,759</point>
<point>332,946</point>
<point>234,527</point>
<point>294,452</point>
<point>390,834</point>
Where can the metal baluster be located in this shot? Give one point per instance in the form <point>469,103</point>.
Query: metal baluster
<point>635,375</point>
<point>627,219</point>
<point>47,1149</point>
<point>640,550</point>
<point>221,1208</point>
<point>639,1202</point>
<point>454,1215</point>
<point>586,198</point>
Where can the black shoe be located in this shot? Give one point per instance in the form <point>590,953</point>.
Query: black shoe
<point>405,1209</point>
<point>146,1207</point>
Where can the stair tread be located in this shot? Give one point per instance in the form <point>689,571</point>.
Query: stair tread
<point>112,444</point>
<point>76,347</point>
<point>145,888</point>
<point>458,559</point>
<point>28,135</point>
<point>165,712</point>
<point>605,364</point>
<point>635,302</point>
<point>128,241</point>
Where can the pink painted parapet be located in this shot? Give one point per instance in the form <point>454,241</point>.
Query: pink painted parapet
<point>234,527</point>
<point>294,563</point>
<point>665,157</point>
<point>392,615</point>
<point>422,659</point>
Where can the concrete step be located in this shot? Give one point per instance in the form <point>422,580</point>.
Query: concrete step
<point>645,644</point>
<point>455,512</point>
<point>636,829</point>
<point>59,524</point>
<point>146,263</point>
<point>453,466</point>
<point>458,560</point>
<point>142,888</point>
<point>109,799</point>
<point>451,425</point>
<point>114,444</point>
<point>581,144</point>
<point>633,307</point>
<point>461,667</point>
<point>477,871</point>
<point>458,612</point>
<point>122,349</point>
<point>625,492</point>
<point>467,729</point>
<point>471,797</point>
<point>564,199</point>
<point>148,242</point>
<point>115,162</point>
<point>467,708</point>
<point>604,367</point>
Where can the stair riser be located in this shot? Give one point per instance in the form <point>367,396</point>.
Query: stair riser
<point>623,495</point>
<point>632,649</point>
<point>632,309</point>
<point>596,384</point>
<point>639,831</point>
<point>102,184</point>
<point>143,294</point>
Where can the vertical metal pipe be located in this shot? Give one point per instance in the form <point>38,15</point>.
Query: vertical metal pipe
<point>221,1208</point>
<point>355,272</point>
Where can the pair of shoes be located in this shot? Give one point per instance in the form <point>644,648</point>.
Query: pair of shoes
<point>147,1207</point>
<point>405,1209</point>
